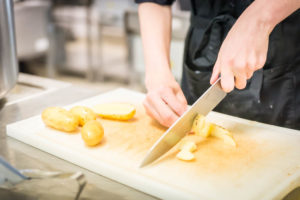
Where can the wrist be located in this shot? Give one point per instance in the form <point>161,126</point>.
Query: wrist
<point>157,77</point>
<point>157,68</point>
<point>264,15</point>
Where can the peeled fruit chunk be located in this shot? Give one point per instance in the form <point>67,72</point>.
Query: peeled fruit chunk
<point>117,111</point>
<point>60,119</point>
<point>84,114</point>
<point>92,133</point>
<point>188,146</point>
<point>204,128</point>
<point>224,134</point>
<point>201,127</point>
<point>185,155</point>
<point>229,140</point>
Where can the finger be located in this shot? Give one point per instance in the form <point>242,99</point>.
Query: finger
<point>166,115</point>
<point>151,111</point>
<point>249,74</point>
<point>240,77</point>
<point>170,98</point>
<point>261,62</point>
<point>180,96</point>
<point>240,82</point>
<point>216,72</point>
<point>148,109</point>
<point>249,71</point>
<point>240,70</point>
<point>252,62</point>
<point>227,79</point>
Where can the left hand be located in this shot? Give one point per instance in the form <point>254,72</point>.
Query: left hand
<point>243,51</point>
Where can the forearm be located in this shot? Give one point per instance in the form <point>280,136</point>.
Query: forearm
<point>271,12</point>
<point>155,23</point>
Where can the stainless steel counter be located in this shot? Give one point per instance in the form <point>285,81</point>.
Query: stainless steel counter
<point>23,156</point>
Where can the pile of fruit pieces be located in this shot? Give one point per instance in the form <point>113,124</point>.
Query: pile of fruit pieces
<point>201,127</point>
<point>92,131</point>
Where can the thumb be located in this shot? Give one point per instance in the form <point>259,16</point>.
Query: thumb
<point>215,73</point>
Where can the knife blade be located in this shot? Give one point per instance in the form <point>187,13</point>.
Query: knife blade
<point>207,102</point>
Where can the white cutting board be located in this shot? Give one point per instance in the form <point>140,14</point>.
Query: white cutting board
<point>264,165</point>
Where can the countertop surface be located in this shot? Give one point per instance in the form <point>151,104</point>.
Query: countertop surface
<point>23,156</point>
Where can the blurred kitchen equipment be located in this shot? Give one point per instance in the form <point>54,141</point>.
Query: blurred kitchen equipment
<point>35,34</point>
<point>9,175</point>
<point>8,58</point>
<point>31,20</point>
<point>15,184</point>
<point>74,20</point>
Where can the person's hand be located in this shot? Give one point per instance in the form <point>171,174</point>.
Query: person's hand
<point>243,51</point>
<point>165,100</point>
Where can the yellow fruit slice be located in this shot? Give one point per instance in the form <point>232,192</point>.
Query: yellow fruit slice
<point>84,114</point>
<point>188,146</point>
<point>117,111</point>
<point>60,119</point>
<point>92,133</point>
<point>222,133</point>
<point>185,155</point>
<point>201,127</point>
<point>197,124</point>
<point>205,131</point>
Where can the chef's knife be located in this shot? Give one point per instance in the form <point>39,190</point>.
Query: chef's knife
<point>207,102</point>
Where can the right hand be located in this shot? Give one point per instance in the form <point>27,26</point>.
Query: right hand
<point>165,100</point>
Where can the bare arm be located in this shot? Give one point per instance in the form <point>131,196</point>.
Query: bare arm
<point>244,50</point>
<point>165,100</point>
<point>155,23</point>
<point>277,10</point>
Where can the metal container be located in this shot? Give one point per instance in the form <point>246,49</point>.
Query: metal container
<point>8,58</point>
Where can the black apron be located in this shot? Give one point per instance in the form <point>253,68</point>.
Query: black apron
<point>272,95</point>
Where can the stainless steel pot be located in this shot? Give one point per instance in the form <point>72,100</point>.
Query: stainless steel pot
<point>8,56</point>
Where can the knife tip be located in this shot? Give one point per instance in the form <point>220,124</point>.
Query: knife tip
<point>143,164</point>
<point>146,161</point>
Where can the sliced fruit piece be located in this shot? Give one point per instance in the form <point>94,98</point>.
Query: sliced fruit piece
<point>188,146</point>
<point>84,114</point>
<point>185,155</point>
<point>222,133</point>
<point>201,126</point>
<point>60,119</point>
<point>229,140</point>
<point>218,131</point>
<point>92,133</point>
<point>205,131</point>
<point>117,111</point>
<point>197,124</point>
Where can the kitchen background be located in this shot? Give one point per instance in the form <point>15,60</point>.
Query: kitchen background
<point>96,44</point>
<point>90,44</point>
